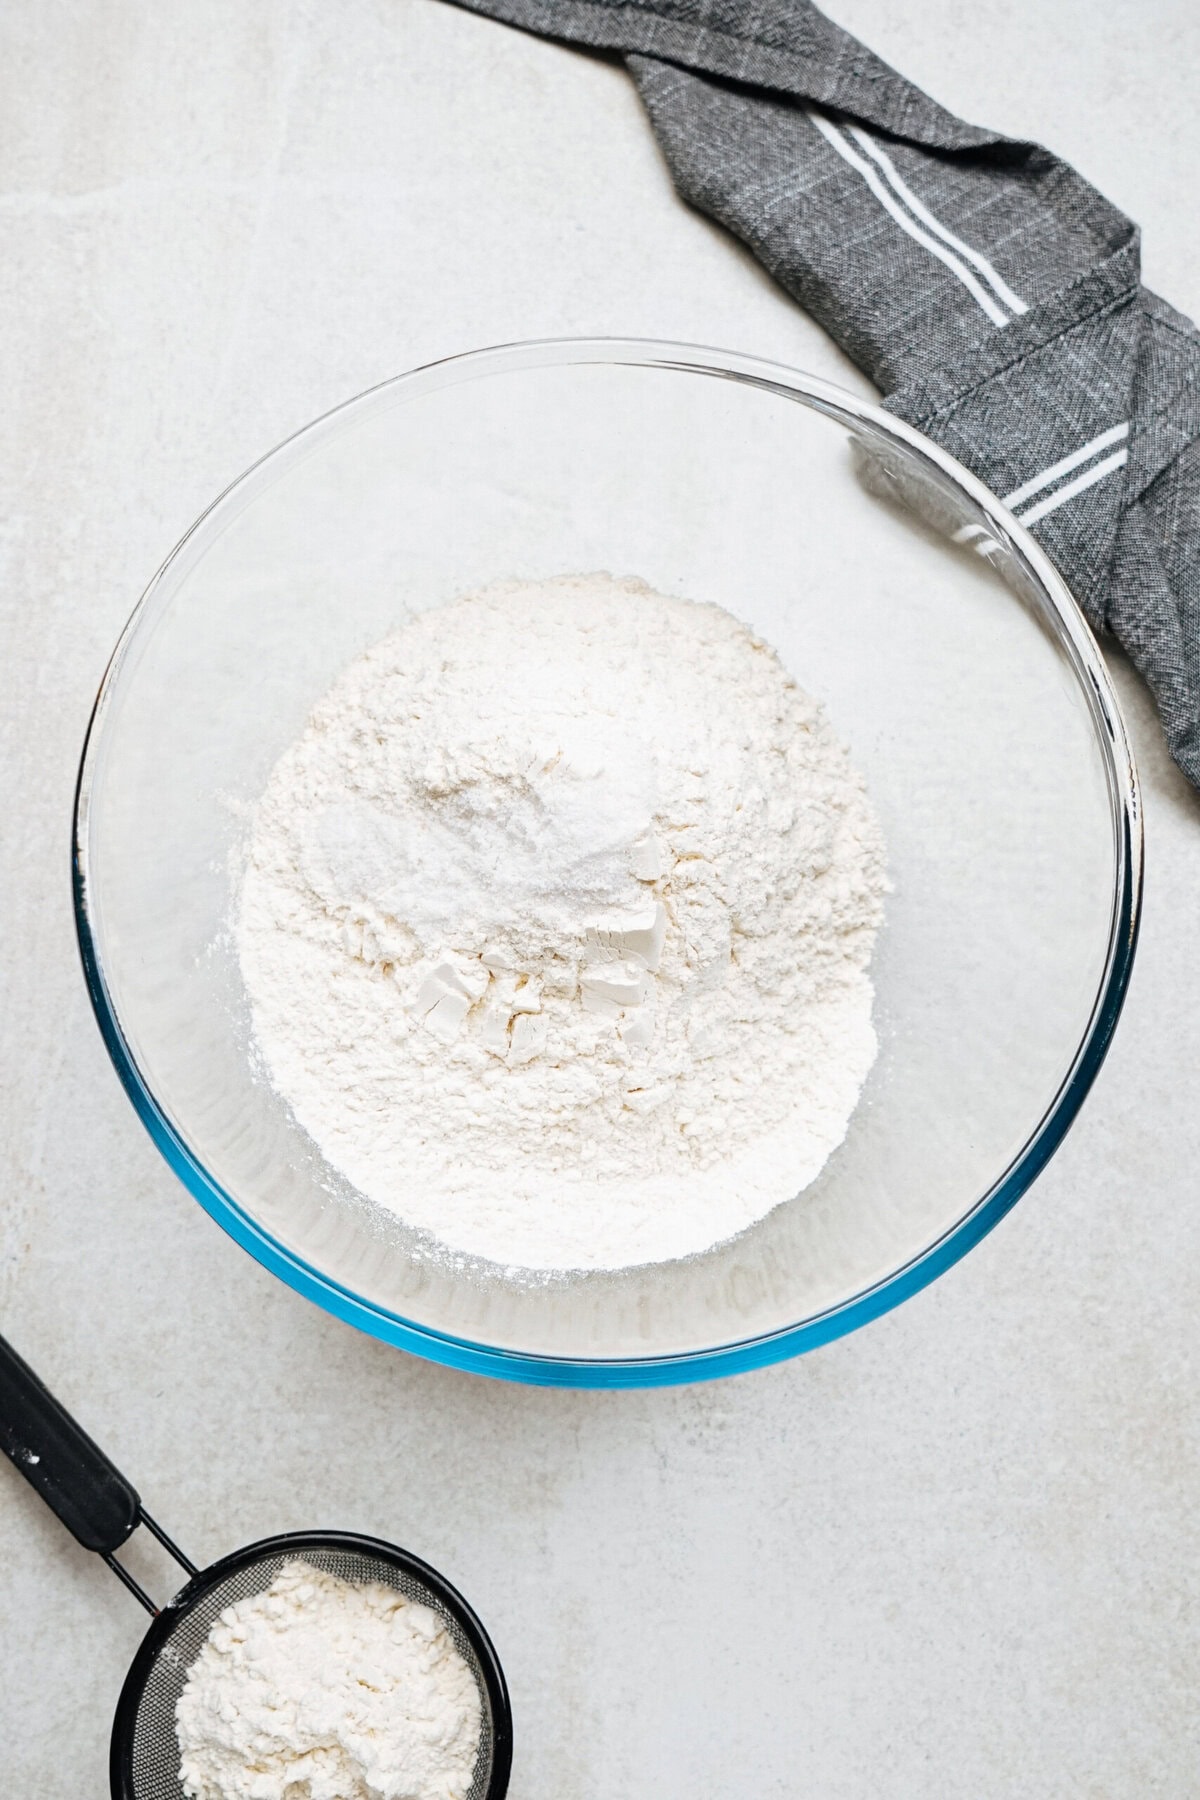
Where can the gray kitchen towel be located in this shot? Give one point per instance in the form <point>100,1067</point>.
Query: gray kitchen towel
<point>991,294</point>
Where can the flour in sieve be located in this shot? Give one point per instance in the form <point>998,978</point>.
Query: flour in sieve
<point>556,923</point>
<point>324,1689</point>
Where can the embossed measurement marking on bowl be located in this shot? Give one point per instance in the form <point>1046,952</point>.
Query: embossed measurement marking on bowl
<point>556,926</point>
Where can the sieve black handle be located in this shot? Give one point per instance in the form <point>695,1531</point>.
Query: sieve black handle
<point>58,1458</point>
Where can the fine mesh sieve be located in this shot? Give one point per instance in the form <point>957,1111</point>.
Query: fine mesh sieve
<point>102,1510</point>
<point>145,1752</point>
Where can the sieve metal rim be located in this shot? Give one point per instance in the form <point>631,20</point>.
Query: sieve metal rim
<point>292,1543</point>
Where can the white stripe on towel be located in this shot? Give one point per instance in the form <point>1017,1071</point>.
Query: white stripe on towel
<point>888,201</point>
<point>1088,479</point>
<point>1065,464</point>
<point>976,258</point>
<point>966,534</point>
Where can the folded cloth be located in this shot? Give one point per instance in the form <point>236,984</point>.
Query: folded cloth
<point>989,291</point>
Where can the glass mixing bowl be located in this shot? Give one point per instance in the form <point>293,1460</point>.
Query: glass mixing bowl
<point>961,674</point>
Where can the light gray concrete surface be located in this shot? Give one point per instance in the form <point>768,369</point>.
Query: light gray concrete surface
<point>952,1556</point>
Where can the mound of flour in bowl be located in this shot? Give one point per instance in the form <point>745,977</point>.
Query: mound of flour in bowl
<point>556,922</point>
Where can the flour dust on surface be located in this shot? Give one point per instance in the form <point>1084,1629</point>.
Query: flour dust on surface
<point>556,924</point>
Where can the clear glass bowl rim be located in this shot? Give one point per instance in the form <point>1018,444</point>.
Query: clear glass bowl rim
<point>983,1214</point>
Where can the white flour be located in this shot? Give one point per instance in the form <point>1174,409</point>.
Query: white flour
<point>556,923</point>
<point>322,1689</point>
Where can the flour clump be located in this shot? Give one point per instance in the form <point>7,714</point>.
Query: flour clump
<point>556,923</point>
<point>324,1689</point>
